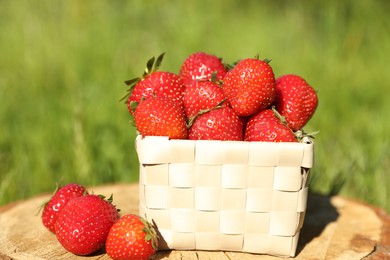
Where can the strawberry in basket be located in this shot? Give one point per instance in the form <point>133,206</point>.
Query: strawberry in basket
<point>221,123</point>
<point>266,126</point>
<point>250,86</point>
<point>201,66</point>
<point>195,103</point>
<point>154,83</point>
<point>160,116</point>
<point>202,95</point>
<point>296,100</point>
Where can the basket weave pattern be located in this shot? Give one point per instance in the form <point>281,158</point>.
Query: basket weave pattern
<point>230,196</point>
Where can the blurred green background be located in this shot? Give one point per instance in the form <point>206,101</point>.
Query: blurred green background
<point>63,63</point>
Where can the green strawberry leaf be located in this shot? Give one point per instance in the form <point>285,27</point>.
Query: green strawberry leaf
<point>132,82</point>
<point>158,61</point>
<point>149,66</point>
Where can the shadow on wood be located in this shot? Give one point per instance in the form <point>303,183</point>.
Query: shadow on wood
<point>319,213</point>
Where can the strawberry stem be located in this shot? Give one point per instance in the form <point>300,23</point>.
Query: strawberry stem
<point>192,119</point>
<point>279,116</point>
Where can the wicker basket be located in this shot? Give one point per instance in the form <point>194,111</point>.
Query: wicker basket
<point>225,196</point>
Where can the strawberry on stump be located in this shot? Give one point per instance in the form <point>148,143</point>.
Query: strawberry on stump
<point>83,224</point>
<point>57,202</point>
<point>132,237</point>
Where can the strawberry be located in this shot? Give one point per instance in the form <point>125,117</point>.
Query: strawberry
<point>217,124</point>
<point>296,100</point>
<point>83,224</point>
<point>201,95</point>
<point>249,86</point>
<point>155,83</point>
<point>201,66</point>
<point>58,201</point>
<point>159,84</point>
<point>159,116</point>
<point>267,127</point>
<point>132,237</point>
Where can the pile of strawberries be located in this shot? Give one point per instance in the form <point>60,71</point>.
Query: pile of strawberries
<point>85,223</point>
<point>210,100</point>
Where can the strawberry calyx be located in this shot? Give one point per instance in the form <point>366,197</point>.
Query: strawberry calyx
<point>133,105</point>
<point>150,232</point>
<point>109,200</point>
<point>230,66</point>
<point>266,60</point>
<point>152,65</point>
<point>214,78</point>
<point>301,134</point>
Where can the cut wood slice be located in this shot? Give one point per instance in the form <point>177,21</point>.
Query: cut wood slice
<point>334,228</point>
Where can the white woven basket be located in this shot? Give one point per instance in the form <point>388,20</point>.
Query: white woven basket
<point>225,196</point>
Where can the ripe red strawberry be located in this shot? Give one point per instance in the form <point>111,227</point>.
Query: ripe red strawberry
<point>267,127</point>
<point>159,84</point>
<point>159,116</point>
<point>57,202</point>
<point>249,86</point>
<point>202,95</point>
<point>217,124</point>
<point>201,66</point>
<point>132,237</point>
<point>83,224</point>
<point>155,83</point>
<point>296,100</point>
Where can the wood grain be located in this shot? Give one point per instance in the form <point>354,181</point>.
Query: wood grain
<point>335,228</point>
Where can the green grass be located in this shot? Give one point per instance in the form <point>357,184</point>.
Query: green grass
<point>63,63</point>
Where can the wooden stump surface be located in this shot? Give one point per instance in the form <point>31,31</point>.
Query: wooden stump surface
<point>334,228</point>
